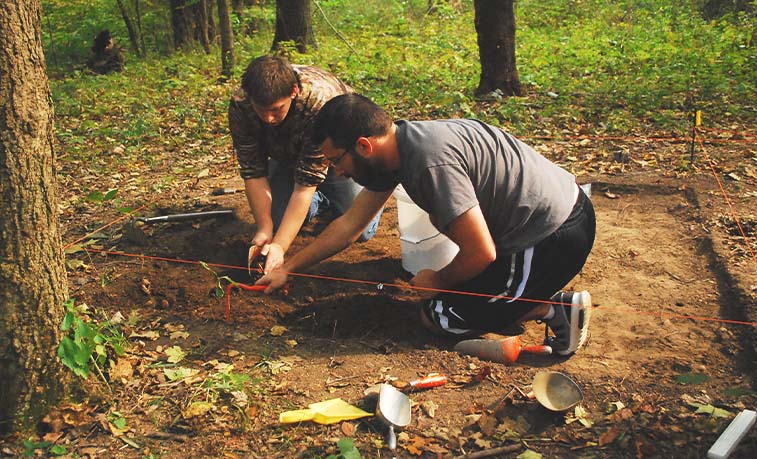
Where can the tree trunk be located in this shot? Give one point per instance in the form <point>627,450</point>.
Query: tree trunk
<point>202,24</point>
<point>227,40</point>
<point>182,26</point>
<point>139,27</point>
<point>32,274</point>
<point>133,38</point>
<point>495,26</point>
<point>294,23</point>
<point>212,29</point>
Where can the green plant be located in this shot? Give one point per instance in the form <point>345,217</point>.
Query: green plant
<point>346,450</point>
<point>226,381</point>
<point>87,343</point>
<point>31,446</point>
<point>218,288</point>
<point>98,196</point>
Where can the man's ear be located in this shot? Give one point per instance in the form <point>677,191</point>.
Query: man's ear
<point>295,91</point>
<point>364,146</point>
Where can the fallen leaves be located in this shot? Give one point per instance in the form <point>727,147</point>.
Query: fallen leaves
<point>196,409</point>
<point>278,330</point>
<point>69,415</point>
<point>175,354</point>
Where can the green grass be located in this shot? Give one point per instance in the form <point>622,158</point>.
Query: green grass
<point>610,67</point>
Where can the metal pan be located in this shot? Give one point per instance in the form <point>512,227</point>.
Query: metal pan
<point>555,391</point>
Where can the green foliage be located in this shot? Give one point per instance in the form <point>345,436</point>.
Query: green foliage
<point>218,289</point>
<point>346,450</point>
<point>87,343</point>
<point>99,197</point>
<point>692,378</point>
<point>616,67</point>
<point>31,446</point>
<point>70,26</point>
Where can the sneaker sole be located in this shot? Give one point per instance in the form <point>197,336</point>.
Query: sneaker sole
<point>580,315</point>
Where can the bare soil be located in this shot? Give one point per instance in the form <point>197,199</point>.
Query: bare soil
<point>668,272</point>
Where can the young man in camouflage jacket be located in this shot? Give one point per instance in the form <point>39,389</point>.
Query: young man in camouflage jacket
<point>287,179</point>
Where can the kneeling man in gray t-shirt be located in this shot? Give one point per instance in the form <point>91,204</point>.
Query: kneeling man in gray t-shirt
<point>523,226</point>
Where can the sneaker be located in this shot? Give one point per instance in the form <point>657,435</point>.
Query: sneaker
<point>570,323</point>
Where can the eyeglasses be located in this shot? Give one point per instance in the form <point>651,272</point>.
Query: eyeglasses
<point>335,161</point>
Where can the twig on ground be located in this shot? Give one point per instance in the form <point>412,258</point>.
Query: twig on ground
<point>168,436</point>
<point>490,452</point>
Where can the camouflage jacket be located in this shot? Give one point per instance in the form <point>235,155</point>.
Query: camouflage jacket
<point>288,143</point>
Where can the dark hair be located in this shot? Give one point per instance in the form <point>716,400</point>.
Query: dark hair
<point>347,117</point>
<point>268,79</point>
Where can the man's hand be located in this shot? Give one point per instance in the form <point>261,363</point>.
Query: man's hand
<point>274,254</point>
<point>262,238</point>
<point>274,280</point>
<point>427,279</point>
<point>258,245</point>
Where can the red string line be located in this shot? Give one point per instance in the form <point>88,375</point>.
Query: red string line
<point>381,285</point>
<point>725,195</point>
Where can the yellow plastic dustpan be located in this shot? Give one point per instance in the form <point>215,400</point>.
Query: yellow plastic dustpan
<point>326,412</point>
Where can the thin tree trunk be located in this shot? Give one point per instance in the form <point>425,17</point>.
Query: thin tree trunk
<point>202,24</point>
<point>495,26</point>
<point>52,41</point>
<point>32,274</point>
<point>294,23</point>
<point>133,39</point>
<point>227,40</point>
<point>212,29</point>
<point>139,27</point>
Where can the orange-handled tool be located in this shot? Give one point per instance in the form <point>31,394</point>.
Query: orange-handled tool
<point>432,380</point>
<point>505,350</point>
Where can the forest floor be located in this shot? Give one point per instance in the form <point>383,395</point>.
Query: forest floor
<point>663,373</point>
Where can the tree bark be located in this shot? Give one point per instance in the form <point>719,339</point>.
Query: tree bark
<point>133,38</point>
<point>227,40</point>
<point>294,23</point>
<point>139,27</point>
<point>202,24</point>
<point>212,29</point>
<point>32,274</point>
<point>495,27</point>
<point>182,25</point>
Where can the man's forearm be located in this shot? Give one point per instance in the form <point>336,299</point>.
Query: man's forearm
<point>296,212</point>
<point>477,249</point>
<point>335,238</point>
<point>258,193</point>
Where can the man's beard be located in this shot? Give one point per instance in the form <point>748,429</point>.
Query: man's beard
<point>370,174</point>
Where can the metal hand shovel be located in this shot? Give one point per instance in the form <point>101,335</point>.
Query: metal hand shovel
<point>393,409</point>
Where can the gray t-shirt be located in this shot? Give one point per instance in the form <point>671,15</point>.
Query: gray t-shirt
<point>449,166</point>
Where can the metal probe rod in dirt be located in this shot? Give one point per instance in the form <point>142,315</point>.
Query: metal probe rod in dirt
<point>187,216</point>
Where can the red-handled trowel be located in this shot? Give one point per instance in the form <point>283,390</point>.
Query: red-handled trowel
<point>506,350</point>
